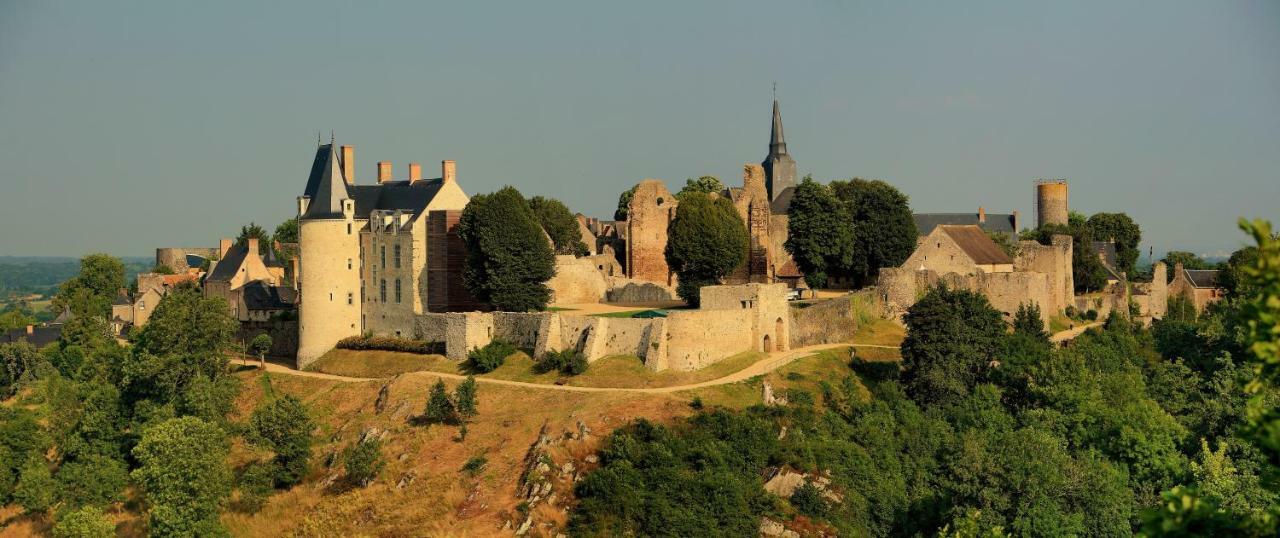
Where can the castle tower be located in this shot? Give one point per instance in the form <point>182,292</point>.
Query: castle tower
<point>329,273</point>
<point>779,167</point>
<point>1051,202</point>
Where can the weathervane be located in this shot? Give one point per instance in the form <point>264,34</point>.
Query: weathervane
<point>775,91</point>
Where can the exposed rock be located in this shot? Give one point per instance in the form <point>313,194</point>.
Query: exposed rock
<point>524,527</point>
<point>567,468</point>
<point>784,483</point>
<point>782,434</point>
<point>381,403</point>
<point>372,433</point>
<point>770,398</point>
<point>774,529</point>
<point>406,479</point>
<point>591,458</point>
<point>583,431</point>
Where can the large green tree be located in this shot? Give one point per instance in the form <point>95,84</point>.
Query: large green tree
<point>1086,269</point>
<point>1124,231</point>
<point>624,204</point>
<point>508,258</point>
<point>952,337</point>
<point>1189,260</point>
<point>886,229</point>
<point>704,184</point>
<point>91,291</point>
<point>283,426</point>
<point>189,324</point>
<point>821,235</point>
<point>705,241</point>
<point>252,230</point>
<point>183,473</point>
<point>560,224</point>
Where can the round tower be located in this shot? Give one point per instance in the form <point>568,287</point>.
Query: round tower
<point>329,280</point>
<point>1051,202</point>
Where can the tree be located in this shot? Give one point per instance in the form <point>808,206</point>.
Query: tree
<point>704,184</point>
<point>259,346</point>
<point>90,292</point>
<point>188,324</point>
<point>886,230</point>
<point>821,234</point>
<point>35,490</point>
<point>952,336</point>
<point>508,258</point>
<point>705,241</point>
<point>93,479</point>
<point>20,364</point>
<point>624,204</point>
<point>440,409</point>
<point>363,461</point>
<point>561,225</point>
<point>1230,277</point>
<point>86,522</point>
<point>252,230</point>
<point>1027,321</point>
<point>1189,260</point>
<point>465,396</point>
<point>286,235</point>
<point>1086,267</point>
<point>183,473</point>
<point>1124,231</point>
<point>283,426</point>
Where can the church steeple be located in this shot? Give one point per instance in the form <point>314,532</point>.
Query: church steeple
<point>779,167</point>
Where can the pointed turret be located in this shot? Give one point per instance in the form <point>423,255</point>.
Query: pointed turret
<point>330,188</point>
<point>779,167</point>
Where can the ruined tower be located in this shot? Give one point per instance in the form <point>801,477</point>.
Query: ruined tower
<point>1051,202</point>
<point>779,167</point>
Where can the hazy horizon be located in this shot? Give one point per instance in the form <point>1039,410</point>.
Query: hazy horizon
<point>126,128</point>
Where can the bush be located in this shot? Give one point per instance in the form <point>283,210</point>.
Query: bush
<point>1091,315</point>
<point>876,370</point>
<point>808,500</point>
<point>36,491</point>
<point>283,426</point>
<point>491,356</point>
<point>257,483</point>
<point>87,522</point>
<point>566,361</point>
<point>389,343</point>
<point>799,397</point>
<point>440,408</point>
<point>363,461</point>
<point>1071,311</point>
<point>475,465</point>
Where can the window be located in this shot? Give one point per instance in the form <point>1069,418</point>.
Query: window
<point>351,299</point>
<point>348,264</point>
<point>348,228</point>
<point>397,290</point>
<point>382,290</point>
<point>384,256</point>
<point>397,256</point>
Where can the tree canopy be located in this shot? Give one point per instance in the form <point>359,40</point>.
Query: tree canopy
<point>886,230</point>
<point>624,204</point>
<point>560,224</point>
<point>821,233</point>
<point>1124,231</point>
<point>705,242</point>
<point>508,258</point>
<point>183,472</point>
<point>704,184</point>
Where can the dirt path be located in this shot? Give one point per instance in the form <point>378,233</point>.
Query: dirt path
<point>769,363</point>
<point>1072,333</point>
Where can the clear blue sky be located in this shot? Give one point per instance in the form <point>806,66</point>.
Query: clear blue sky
<point>126,126</point>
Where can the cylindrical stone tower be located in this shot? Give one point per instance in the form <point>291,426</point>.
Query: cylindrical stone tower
<point>330,285</point>
<point>1051,202</point>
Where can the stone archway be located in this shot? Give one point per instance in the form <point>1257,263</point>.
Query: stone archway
<point>768,344</point>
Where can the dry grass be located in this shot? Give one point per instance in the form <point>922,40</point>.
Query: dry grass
<point>881,332</point>
<point>372,363</point>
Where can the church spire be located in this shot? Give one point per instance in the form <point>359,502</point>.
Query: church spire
<point>777,144</point>
<point>779,167</point>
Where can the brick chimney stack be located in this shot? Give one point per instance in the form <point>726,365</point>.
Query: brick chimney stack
<point>415,172</point>
<point>349,164</point>
<point>253,246</point>
<point>223,246</point>
<point>448,171</point>
<point>982,215</point>
<point>31,329</point>
<point>384,171</point>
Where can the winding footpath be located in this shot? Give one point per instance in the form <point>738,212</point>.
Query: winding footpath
<point>767,364</point>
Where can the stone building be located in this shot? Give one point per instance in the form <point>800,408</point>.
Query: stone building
<point>237,267</point>
<point>365,250</point>
<point>964,250</point>
<point>1200,286</point>
<point>1051,202</point>
<point>649,214</point>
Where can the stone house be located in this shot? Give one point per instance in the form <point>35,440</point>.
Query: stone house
<point>1200,286</point>
<point>237,267</point>
<point>133,311</point>
<point>964,250</point>
<point>260,301</point>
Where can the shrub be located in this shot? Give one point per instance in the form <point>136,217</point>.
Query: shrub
<point>256,485</point>
<point>875,370</point>
<point>566,361</point>
<point>92,480</point>
<point>1091,315</point>
<point>491,356</point>
<point>389,343</point>
<point>696,403</point>
<point>808,500</point>
<point>799,397</point>
<point>36,491</point>
<point>577,364</point>
<point>87,522</point>
<point>440,409</point>
<point>475,465</point>
<point>363,461</point>
<point>1071,311</point>
<point>283,426</point>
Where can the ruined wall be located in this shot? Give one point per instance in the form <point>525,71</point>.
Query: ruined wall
<point>176,257</point>
<point>627,292</point>
<point>824,322</point>
<point>1008,291</point>
<point>650,212</point>
<point>518,328</point>
<point>579,280</point>
<point>1051,203</point>
<point>1054,260</point>
<point>698,338</point>
<point>284,336</point>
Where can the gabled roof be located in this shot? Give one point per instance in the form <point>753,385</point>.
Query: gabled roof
<point>996,222</point>
<point>402,195</point>
<point>1202,278</point>
<point>328,191</point>
<point>259,295</point>
<point>39,337</point>
<point>229,265</point>
<point>975,243</point>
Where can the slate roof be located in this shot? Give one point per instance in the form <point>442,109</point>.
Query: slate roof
<point>327,192</point>
<point>259,295</point>
<point>395,195</point>
<point>782,202</point>
<point>227,267</point>
<point>1202,278</point>
<point>996,222</point>
<point>327,188</point>
<point>39,337</point>
<point>974,242</point>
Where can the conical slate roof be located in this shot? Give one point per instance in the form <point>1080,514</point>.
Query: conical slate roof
<point>777,143</point>
<point>330,189</point>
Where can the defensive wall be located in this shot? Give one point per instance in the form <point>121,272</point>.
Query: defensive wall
<point>900,288</point>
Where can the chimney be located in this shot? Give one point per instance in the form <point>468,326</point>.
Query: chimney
<point>223,246</point>
<point>982,215</point>
<point>448,171</point>
<point>293,270</point>
<point>415,172</point>
<point>349,164</point>
<point>384,171</point>
<point>31,329</point>
<point>253,246</point>
<point>1017,222</point>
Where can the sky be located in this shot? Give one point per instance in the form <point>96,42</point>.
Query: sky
<point>126,126</point>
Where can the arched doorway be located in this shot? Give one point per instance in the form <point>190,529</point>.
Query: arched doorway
<point>782,337</point>
<point>768,344</point>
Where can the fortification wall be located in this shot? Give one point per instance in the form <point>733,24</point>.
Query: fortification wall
<point>629,291</point>
<point>1008,291</point>
<point>284,336</point>
<point>824,322</point>
<point>176,257</point>
<point>698,338</point>
<point>1054,260</point>
<point>578,280</point>
<point>519,329</point>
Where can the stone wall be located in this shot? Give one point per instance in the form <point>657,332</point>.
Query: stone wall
<point>698,338</point>
<point>580,280</point>
<point>284,336</point>
<point>1054,260</point>
<point>823,322</point>
<point>176,257</point>
<point>651,210</point>
<point>630,292</point>
<point>900,288</point>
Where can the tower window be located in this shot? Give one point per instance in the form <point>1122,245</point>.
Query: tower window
<point>397,290</point>
<point>348,264</point>
<point>382,290</point>
<point>396,256</point>
<point>351,299</point>
<point>348,228</point>
<point>384,256</point>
